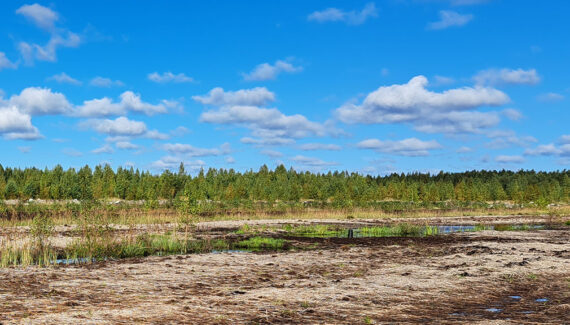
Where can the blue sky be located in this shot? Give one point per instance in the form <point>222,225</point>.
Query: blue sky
<point>373,87</point>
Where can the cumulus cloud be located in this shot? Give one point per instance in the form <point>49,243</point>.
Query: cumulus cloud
<point>565,139</point>
<point>5,63</point>
<point>45,18</point>
<point>154,134</point>
<point>311,161</point>
<point>266,71</point>
<point>105,82</point>
<point>265,122</point>
<point>191,151</point>
<point>319,146</point>
<point>543,150</point>
<point>120,126</point>
<point>512,114</point>
<point>411,147</point>
<point>272,153</point>
<point>130,102</point>
<point>550,98</point>
<point>464,149</point>
<point>505,139</point>
<point>507,77</point>
<point>442,81</point>
<point>448,18</point>
<point>258,96</point>
<point>169,77</point>
<point>64,78</point>
<point>172,163</point>
<point>349,17</point>
<point>41,101</point>
<point>104,149</point>
<point>450,111</point>
<point>48,52</point>
<point>41,16</point>
<point>230,160</point>
<point>267,141</point>
<point>503,159</point>
<point>126,145</point>
<point>15,122</point>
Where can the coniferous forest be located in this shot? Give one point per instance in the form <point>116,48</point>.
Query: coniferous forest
<point>282,184</point>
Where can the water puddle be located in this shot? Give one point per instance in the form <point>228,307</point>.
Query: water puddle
<point>230,251</point>
<point>494,310</point>
<point>414,231</point>
<point>69,261</point>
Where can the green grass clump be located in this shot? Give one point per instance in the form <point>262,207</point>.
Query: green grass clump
<point>316,231</point>
<point>258,243</point>
<point>27,255</point>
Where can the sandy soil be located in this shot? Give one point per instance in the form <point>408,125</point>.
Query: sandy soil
<point>455,278</point>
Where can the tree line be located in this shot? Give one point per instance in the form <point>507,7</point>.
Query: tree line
<point>282,184</point>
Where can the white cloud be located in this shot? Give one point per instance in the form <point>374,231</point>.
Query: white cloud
<point>550,98</point>
<point>349,17</point>
<point>64,78</point>
<point>31,52</point>
<point>105,82</point>
<point>169,77</point>
<point>509,159</point>
<point>442,81</point>
<point>258,96</point>
<point>312,162</point>
<point>506,139</point>
<point>13,121</point>
<point>411,147</point>
<point>507,77</point>
<point>126,145</point>
<point>130,102</point>
<point>449,111</point>
<point>230,160</point>
<point>43,17</point>
<point>272,153</point>
<point>267,141</point>
<point>121,126</point>
<point>543,150</point>
<point>565,139</point>
<point>464,150</point>
<point>191,151</point>
<point>319,146</point>
<point>154,134</point>
<point>5,63</point>
<point>179,131</point>
<point>172,163</point>
<point>265,122</point>
<point>512,114</point>
<point>266,71</point>
<point>450,18</point>
<point>104,149</point>
<point>40,101</point>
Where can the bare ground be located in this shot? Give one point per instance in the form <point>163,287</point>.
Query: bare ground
<point>443,279</point>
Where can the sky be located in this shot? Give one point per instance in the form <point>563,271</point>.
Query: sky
<point>369,87</point>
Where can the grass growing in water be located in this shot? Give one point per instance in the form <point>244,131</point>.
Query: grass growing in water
<point>258,243</point>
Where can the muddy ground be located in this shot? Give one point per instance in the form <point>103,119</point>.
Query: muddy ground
<point>459,278</point>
